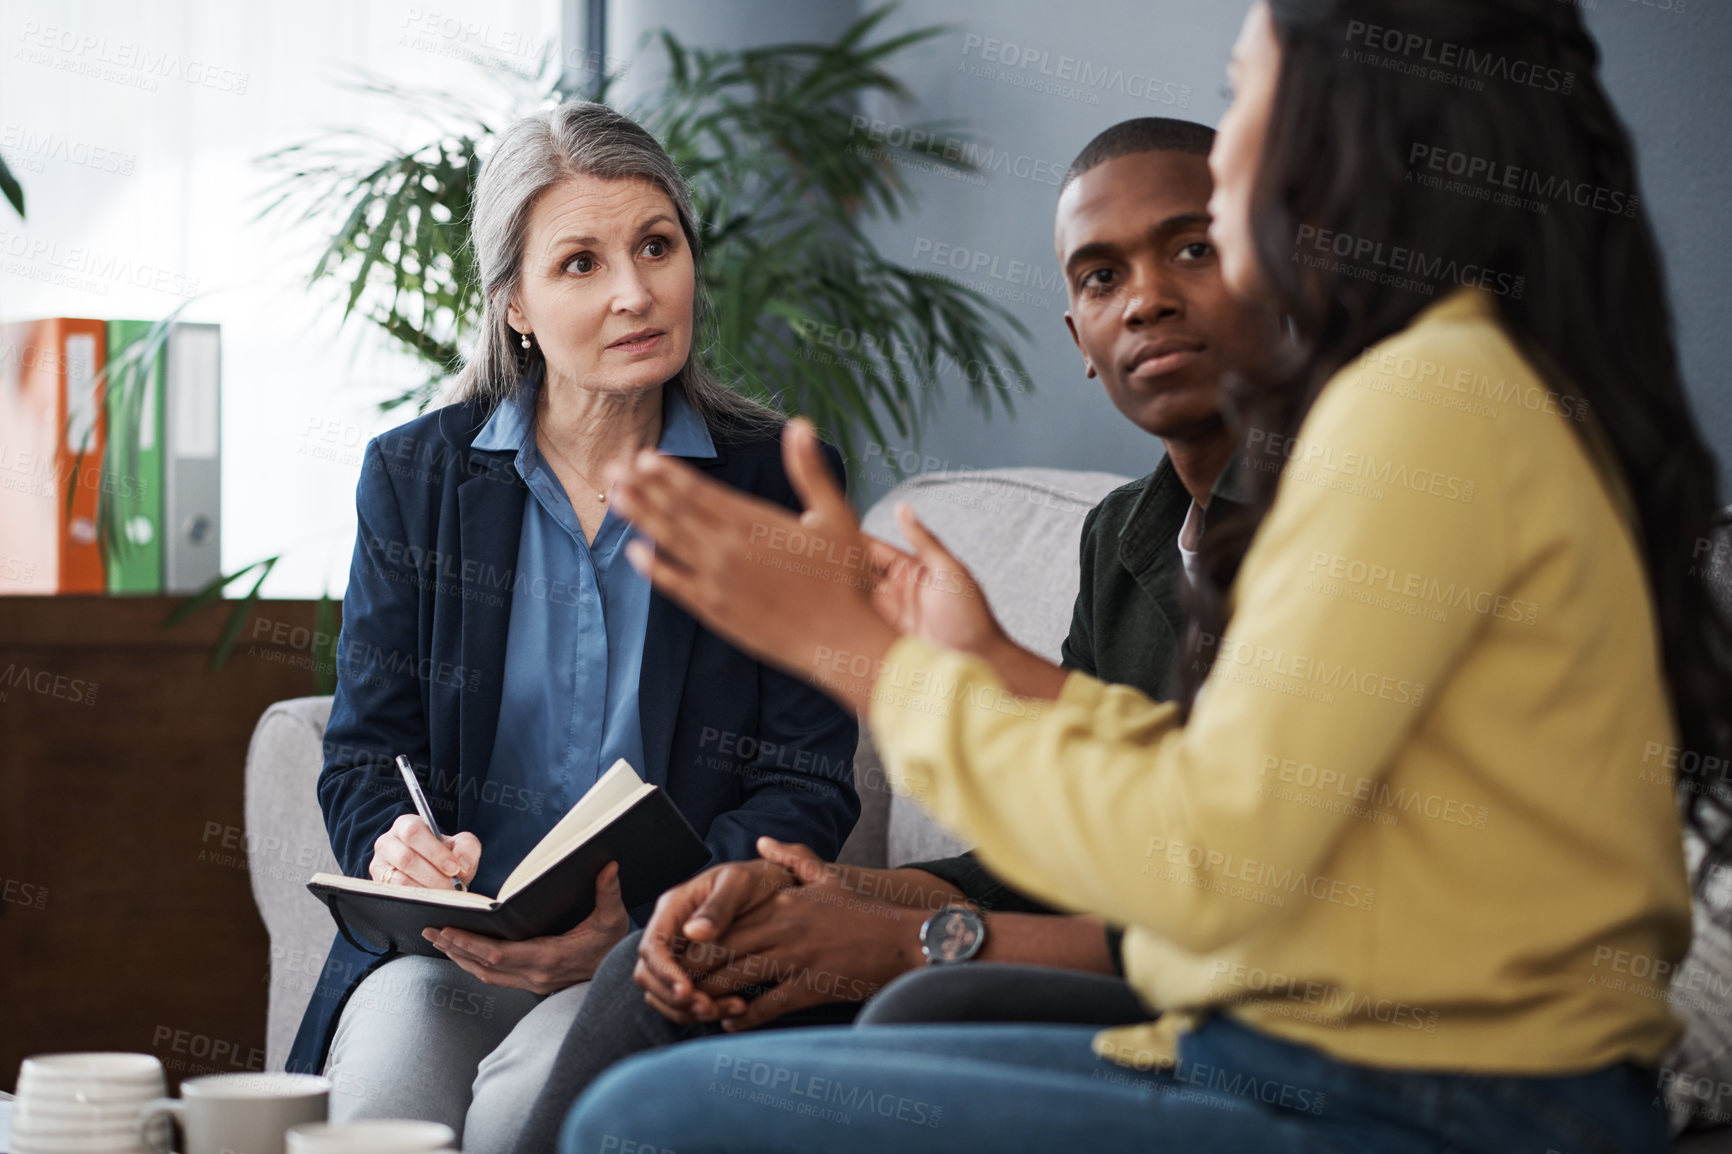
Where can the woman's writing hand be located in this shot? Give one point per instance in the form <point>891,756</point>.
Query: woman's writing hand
<point>543,965</point>
<point>408,854</point>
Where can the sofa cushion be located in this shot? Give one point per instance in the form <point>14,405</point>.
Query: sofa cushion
<point>1018,531</point>
<point>1698,1074</point>
<point>286,844</point>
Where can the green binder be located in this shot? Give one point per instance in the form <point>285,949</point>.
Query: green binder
<point>132,479</point>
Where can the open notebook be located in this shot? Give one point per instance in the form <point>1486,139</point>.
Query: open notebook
<point>621,818</point>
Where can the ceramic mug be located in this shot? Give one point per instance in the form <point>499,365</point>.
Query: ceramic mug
<point>238,1113</point>
<point>75,1103</point>
<point>372,1136</point>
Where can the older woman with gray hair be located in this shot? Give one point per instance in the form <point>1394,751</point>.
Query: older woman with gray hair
<point>494,632</point>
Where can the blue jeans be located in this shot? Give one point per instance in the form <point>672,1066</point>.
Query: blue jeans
<point>941,1089</point>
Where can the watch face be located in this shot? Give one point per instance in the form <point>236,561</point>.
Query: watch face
<point>954,935</point>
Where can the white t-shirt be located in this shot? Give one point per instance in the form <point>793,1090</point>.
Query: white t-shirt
<point>1190,535</point>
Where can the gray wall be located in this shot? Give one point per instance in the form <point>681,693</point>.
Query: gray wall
<point>1665,69</point>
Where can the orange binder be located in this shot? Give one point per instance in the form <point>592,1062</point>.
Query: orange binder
<point>53,429</point>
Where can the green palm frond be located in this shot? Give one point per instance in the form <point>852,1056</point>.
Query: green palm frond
<point>11,189</point>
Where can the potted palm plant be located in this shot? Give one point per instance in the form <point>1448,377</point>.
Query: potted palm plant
<point>783,185</point>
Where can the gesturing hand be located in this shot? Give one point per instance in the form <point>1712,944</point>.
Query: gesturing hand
<point>932,595</point>
<point>543,965</point>
<point>929,593</point>
<point>793,590</point>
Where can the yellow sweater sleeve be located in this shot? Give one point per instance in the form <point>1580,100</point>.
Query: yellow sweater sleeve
<point>1072,800</point>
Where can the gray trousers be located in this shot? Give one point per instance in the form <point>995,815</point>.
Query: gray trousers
<point>420,1038</point>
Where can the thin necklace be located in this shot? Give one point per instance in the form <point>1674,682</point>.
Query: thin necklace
<point>599,496</point>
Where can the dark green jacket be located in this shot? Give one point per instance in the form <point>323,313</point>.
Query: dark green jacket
<point>1126,626</point>
<point>1129,620</point>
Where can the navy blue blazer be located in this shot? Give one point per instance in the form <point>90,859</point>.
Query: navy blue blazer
<point>741,748</point>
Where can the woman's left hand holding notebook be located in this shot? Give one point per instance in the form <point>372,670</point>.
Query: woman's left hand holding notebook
<point>549,964</point>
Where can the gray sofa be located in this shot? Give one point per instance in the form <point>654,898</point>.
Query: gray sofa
<point>1017,529</point>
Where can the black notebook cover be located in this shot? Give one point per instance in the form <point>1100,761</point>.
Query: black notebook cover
<point>652,842</point>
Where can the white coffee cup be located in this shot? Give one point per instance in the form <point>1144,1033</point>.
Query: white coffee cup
<point>371,1136</point>
<point>87,1103</point>
<point>90,1076</point>
<point>239,1113</point>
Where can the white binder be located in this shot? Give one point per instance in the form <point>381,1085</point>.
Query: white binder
<point>192,457</point>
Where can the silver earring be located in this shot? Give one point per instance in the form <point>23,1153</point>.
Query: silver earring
<point>525,337</point>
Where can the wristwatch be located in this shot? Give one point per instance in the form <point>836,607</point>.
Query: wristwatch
<point>955,933</point>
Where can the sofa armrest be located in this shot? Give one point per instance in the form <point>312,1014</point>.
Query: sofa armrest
<point>286,844</point>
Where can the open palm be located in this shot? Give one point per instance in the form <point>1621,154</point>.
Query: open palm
<point>929,593</point>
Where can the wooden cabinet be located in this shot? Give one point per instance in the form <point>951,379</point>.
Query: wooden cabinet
<point>126,917</point>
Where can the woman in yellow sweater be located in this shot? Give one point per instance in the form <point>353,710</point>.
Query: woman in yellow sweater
<point>1389,870</point>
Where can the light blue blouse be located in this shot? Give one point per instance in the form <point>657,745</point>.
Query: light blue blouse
<point>574,650</point>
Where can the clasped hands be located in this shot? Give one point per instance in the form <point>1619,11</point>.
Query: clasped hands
<point>795,929</point>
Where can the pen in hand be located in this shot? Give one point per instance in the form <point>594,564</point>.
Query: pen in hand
<point>421,806</point>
